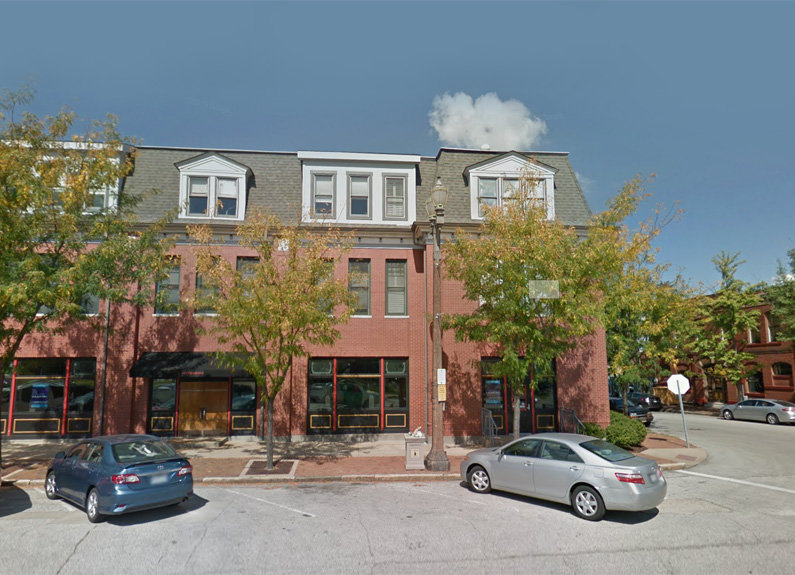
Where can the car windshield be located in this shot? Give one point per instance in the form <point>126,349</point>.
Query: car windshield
<point>142,450</point>
<point>606,450</point>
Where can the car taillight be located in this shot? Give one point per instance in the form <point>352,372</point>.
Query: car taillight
<point>185,470</point>
<point>126,478</point>
<point>788,409</point>
<point>630,477</point>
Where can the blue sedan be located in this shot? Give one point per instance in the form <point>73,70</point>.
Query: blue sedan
<point>117,474</point>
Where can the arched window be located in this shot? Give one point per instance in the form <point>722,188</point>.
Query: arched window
<point>782,369</point>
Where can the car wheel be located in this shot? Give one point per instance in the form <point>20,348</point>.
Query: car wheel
<point>728,414</point>
<point>50,488</point>
<point>92,507</point>
<point>772,419</point>
<point>587,503</point>
<point>479,480</point>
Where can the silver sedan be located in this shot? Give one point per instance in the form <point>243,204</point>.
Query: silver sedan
<point>589,474</point>
<point>771,410</point>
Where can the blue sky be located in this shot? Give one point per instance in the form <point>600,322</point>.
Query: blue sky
<point>702,94</point>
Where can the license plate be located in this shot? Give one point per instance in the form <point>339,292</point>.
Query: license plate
<point>653,478</point>
<point>159,479</point>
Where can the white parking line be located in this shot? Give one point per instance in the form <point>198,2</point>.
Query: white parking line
<point>304,513</point>
<point>740,481</point>
<point>63,503</point>
<point>441,495</point>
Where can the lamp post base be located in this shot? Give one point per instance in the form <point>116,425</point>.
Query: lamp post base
<point>437,461</point>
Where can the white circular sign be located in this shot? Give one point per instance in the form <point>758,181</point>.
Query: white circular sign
<point>678,384</point>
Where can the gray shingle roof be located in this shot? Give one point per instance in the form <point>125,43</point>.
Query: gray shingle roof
<point>276,181</point>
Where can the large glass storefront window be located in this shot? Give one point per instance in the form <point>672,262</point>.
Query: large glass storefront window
<point>537,398</point>
<point>50,396</point>
<point>353,395</point>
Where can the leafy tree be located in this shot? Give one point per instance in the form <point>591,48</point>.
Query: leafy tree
<point>640,309</point>
<point>782,298</point>
<point>270,311</point>
<point>62,245</point>
<point>724,319</point>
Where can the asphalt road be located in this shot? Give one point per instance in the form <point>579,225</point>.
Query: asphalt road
<point>733,514</point>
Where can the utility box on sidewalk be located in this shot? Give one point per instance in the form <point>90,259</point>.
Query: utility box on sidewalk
<point>415,451</point>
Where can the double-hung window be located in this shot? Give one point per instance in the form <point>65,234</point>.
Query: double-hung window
<point>205,296</point>
<point>359,284</point>
<point>494,192</point>
<point>396,300</point>
<point>198,195</point>
<point>323,195</point>
<point>395,198</point>
<point>359,196</point>
<point>226,197</point>
<point>167,291</point>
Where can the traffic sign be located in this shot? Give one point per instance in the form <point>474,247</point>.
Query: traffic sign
<point>678,384</point>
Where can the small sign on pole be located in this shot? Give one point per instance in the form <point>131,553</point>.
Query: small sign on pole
<point>680,385</point>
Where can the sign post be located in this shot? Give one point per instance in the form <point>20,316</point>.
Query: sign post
<point>680,385</point>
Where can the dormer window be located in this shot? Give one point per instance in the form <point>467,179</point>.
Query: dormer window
<point>212,186</point>
<point>497,180</point>
<point>359,200</point>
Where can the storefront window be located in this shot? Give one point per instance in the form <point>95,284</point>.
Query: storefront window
<point>82,380</point>
<point>244,395</point>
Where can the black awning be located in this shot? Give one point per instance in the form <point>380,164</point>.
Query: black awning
<point>156,364</point>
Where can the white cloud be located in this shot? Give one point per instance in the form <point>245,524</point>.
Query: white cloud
<point>459,121</point>
<point>587,184</point>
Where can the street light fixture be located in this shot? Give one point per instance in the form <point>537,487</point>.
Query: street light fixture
<point>437,458</point>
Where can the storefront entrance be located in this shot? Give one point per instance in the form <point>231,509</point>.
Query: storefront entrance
<point>203,408</point>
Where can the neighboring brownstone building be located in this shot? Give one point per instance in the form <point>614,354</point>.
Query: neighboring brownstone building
<point>377,377</point>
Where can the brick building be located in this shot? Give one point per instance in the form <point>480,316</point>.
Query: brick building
<point>376,379</point>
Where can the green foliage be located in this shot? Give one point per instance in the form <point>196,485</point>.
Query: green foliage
<point>624,431</point>
<point>724,319</point>
<point>782,297</point>
<point>283,302</point>
<point>61,241</point>
<point>594,430</point>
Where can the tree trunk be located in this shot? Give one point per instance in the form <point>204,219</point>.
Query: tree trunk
<point>269,443</point>
<point>740,391</point>
<point>516,416</point>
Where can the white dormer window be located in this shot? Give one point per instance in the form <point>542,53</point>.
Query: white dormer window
<point>394,197</point>
<point>212,186</point>
<point>359,194</point>
<point>496,181</point>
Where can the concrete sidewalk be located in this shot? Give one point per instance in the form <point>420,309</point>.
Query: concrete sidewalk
<point>244,461</point>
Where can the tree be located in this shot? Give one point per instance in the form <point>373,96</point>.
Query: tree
<point>506,267</point>
<point>724,319</point>
<point>782,298</point>
<point>640,308</point>
<point>272,309</point>
<point>67,230</point>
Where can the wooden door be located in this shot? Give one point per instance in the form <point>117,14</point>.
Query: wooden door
<point>203,407</point>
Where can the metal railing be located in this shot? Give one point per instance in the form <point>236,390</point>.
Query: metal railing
<point>569,422</point>
<point>489,426</point>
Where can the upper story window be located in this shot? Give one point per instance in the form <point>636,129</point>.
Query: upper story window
<point>359,284</point>
<point>396,288</point>
<point>323,196</point>
<point>394,197</point>
<point>359,188</point>
<point>212,186</point>
<point>359,196</point>
<point>772,328</point>
<point>167,291</point>
<point>497,180</point>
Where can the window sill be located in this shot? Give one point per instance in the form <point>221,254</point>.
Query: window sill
<point>396,317</point>
<point>361,317</point>
<point>165,315</point>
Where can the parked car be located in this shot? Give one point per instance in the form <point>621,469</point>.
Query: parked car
<point>115,474</point>
<point>773,411</point>
<point>634,410</point>
<point>590,474</point>
<point>647,400</point>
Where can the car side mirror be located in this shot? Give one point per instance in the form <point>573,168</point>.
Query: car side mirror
<point>60,455</point>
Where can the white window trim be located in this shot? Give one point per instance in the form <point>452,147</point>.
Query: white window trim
<point>511,169</point>
<point>333,176</point>
<point>215,168</point>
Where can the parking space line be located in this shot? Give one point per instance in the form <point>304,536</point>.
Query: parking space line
<point>304,513</point>
<point>740,481</point>
<point>447,496</point>
<point>63,503</point>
